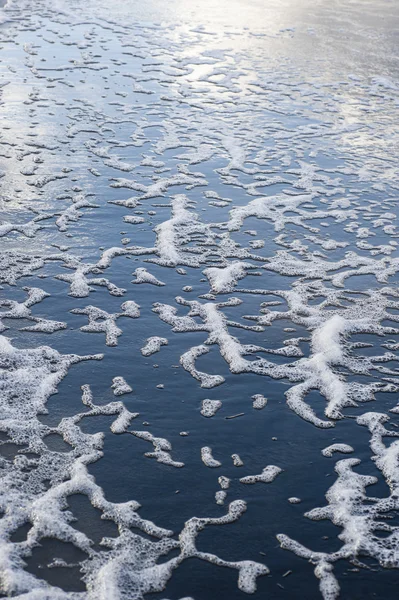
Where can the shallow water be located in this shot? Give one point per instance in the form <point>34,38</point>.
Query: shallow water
<point>253,149</point>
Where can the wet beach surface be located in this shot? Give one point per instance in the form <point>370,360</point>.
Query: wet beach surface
<point>199,203</point>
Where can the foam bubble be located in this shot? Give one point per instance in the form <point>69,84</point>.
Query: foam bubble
<point>210,407</point>
<point>268,475</point>
<point>259,401</point>
<point>120,386</point>
<point>153,344</point>
<point>207,458</point>
<point>344,448</point>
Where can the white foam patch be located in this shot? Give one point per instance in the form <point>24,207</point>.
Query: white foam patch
<point>344,448</point>
<point>220,497</point>
<point>349,507</point>
<point>22,310</point>
<point>143,276</point>
<point>224,482</point>
<point>80,284</point>
<point>28,229</point>
<point>207,458</point>
<point>157,189</point>
<point>153,344</point>
<point>72,213</point>
<point>237,460</point>
<point>120,386</point>
<point>162,448</point>
<point>259,401</point>
<point>224,280</point>
<point>173,235</point>
<point>34,375</point>
<point>133,220</point>
<point>187,360</point>
<point>210,407</point>
<point>268,475</point>
<point>102,322</point>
